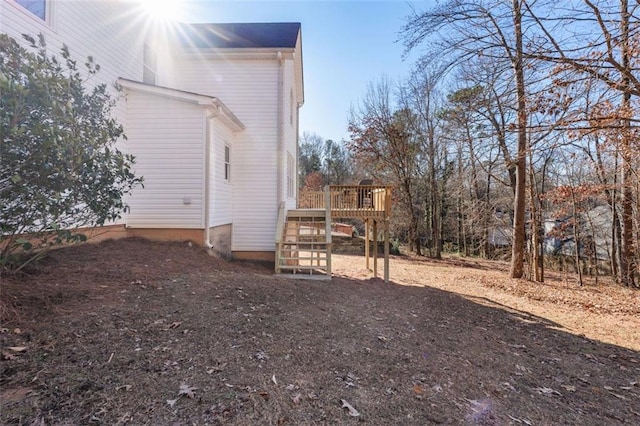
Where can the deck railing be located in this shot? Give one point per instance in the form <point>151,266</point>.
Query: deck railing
<point>349,200</point>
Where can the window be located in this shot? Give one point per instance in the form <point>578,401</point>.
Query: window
<point>150,65</point>
<point>291,167</point>
<point>37,7</point>
<point>291,107</point>
<point>227,163</point>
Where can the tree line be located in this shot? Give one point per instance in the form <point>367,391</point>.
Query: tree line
<point>516,134</point>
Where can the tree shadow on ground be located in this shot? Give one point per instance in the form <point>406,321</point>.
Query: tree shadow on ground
<point>258,349</point>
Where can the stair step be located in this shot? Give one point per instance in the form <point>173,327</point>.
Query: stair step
<point>305,267</point>
<point>304,245</point>
<point>306,213</point>
<point>317,277</point>
<point>315,259</point>
<point>303,235</point>
<point>307,251</point>
<point>307,240</point>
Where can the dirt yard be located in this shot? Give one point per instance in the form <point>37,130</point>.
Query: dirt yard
<point>133,332</point>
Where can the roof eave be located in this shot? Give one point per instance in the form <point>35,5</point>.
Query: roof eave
<point>205,101</point>
<point>269,53</point>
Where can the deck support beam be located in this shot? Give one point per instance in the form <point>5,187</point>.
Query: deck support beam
<point>367,236</point>
<point>328,229</point>
<point>375,248</point>
<point>386,251</point>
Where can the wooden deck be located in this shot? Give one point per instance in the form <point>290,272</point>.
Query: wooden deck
<point>303,235</point>
<point>350,201</point>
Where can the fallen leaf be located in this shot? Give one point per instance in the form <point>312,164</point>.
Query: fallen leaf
<point>187,390</point>
<point>296,398</point>
<point>125,387</point>
<point>509,386</point>
<point>264,394</point>
<point>15,395</point>
<point>351,411</point>
<point>273,379</point>
<point>7,355</point>
<point>417,389</point>
<point>175,324</point>
<point>172,402</point>
<point>525,421</point>
<point>217,368</point>
<point>17,331</point>
<point>547,391</point>
<point>17,348</point>
<point>290,387</point>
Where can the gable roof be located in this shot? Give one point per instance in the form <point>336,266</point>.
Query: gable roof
<point>240,35</point>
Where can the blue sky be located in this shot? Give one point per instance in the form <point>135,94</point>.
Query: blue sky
<point>346,45</point>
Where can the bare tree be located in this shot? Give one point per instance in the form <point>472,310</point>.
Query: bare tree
<point>381,137</point>
<point>607,52</point>
<point>494,29</point>
<point>419,94</point>
<point>329,158</point>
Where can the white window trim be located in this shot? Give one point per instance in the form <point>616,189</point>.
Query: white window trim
<point>291,173</point>
<point>227,163</point>
<point>291,107</point>
<point>48,13</point>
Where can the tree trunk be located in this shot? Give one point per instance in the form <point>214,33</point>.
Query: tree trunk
<point>535,243</point>
<point>434,193</point>
<point>627,264</point>
<point>576,235</point>
<point>517,251</point>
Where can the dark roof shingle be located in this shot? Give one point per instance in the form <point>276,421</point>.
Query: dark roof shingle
<point>240,35</point>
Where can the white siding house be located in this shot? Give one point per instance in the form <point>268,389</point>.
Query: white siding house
<point>210,113</point>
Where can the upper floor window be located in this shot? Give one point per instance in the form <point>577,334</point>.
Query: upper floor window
<point>150,65</point>
<point>291,167</point>
<point>227,163</point>
<point>37,7</point>
<point>291,107</point>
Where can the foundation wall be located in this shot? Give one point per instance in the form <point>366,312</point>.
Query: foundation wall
<point>266,256</point>
<point>220,239</point>
<point>196,236</point>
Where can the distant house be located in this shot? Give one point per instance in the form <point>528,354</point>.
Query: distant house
<point>594,231</point>
<point>210,112</point>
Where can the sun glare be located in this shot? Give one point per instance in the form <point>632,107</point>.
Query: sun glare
<point>163,10</point>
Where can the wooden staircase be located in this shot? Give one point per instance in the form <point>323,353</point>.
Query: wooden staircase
<point>303,243</point>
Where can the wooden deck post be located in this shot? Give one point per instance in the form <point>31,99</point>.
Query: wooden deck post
<point>280,234</point>
<point>386,251</point>
<point>327,228</point>
<point>375,248</point>
<point>387,220</point>
<point>366,241</point>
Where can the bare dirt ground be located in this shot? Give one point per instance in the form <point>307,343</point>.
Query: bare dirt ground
<point>133,332</point>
